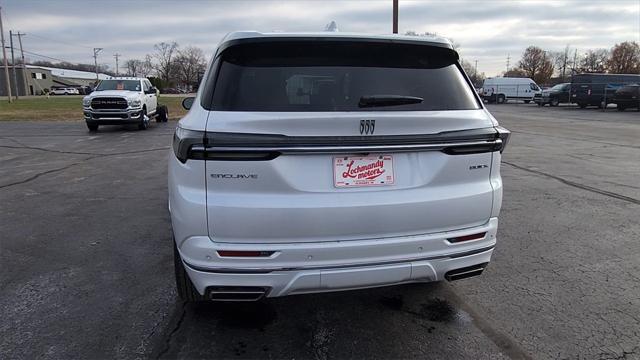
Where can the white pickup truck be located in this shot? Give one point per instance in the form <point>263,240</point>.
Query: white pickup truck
<point>121,101</point>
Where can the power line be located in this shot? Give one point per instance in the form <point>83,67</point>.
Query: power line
<point>40,55</point>
<point>58,41</point>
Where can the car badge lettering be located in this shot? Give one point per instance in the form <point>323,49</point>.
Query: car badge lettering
<point>234,176</point>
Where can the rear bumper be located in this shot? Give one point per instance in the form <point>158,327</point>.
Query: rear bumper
<point>332,266</point>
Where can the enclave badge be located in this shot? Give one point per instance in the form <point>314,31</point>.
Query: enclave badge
<point>367,127</point>
<point>234,176</point>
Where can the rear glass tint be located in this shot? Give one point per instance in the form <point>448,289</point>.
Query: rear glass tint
<point>333,76</point>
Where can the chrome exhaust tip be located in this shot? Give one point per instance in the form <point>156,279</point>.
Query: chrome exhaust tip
<point>465,272</point>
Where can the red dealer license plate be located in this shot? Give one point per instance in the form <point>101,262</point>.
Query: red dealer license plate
<point>351,171</point>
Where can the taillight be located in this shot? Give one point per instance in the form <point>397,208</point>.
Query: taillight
<point>467,237</point>
<point>199,145</point>
<point>184,140</point>
<point>503,135</point>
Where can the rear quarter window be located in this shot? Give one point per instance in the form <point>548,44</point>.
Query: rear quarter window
<point>328,76</point>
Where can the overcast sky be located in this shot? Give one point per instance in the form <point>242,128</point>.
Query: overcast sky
<point>486,30</point>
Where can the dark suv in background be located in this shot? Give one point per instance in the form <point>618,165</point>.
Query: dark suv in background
<point>560,93</point>
<point>627,97</point>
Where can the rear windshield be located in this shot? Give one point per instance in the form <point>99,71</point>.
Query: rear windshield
<point>326,76</point>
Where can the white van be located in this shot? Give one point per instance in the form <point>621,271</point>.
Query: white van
<point>502,89</point>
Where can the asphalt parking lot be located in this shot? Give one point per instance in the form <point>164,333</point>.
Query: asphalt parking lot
<point>86,265</point>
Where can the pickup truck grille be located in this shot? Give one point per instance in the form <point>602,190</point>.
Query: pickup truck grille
<point>109,103</point>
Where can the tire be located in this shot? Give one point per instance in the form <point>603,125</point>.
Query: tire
<point>185,289</point>
<point>501,99</point>
<point>92,127</point>
<point>162,114</point>
<point>620,107</point>
<point>144,121</point>
<point>554,102</point>
<point>541,104</point>
<point>582,105</point>
<point>527,101</point>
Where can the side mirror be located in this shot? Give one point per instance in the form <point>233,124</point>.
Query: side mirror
<point>188,102</point>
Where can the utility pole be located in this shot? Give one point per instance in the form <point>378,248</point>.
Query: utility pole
<point>116,55</point>
<point>4,57</point>
<point>575,55</point>
<point>24,65</point>
<point>13,65</point>
<point>508,58</point>
<point>476,69</point>
<point>395,16</point>
<point>96,51</point>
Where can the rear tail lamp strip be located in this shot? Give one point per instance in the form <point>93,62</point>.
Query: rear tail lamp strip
<point>189,144</point>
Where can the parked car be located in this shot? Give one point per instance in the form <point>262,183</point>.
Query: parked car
<point>627,96</point>
<point>598,89</point>
<point>122,101</point>
<point>555,95</point>
<point>64,91</point>
<point>500,90</point>
<point>313,162</point>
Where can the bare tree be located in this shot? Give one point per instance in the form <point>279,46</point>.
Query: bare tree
<point>625,58</point>
<point>515,72</point>
<point>536,64</point>
<point>594,61</point>
<point>476,78</point>
<point>133,67</point>
<point>164,56</point>
<point>147,66</point>
<point>190,62</point>
<point>563,61</point>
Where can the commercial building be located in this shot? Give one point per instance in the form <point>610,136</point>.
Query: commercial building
<point>39,78</point>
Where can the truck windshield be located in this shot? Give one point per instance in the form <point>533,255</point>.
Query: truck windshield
<point>331,76</point>
<point>131,85</point>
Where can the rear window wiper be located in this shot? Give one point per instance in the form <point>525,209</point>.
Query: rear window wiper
<point>388,100</point>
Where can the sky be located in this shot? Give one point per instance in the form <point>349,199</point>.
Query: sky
<point>487,31</point>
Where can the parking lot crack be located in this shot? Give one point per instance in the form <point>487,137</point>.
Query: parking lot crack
<point>577,185</point>
<point>176,328</point>
<point>45,173</point>
<point>94,156</point>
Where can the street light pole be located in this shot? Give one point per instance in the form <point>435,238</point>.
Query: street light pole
<point>395,16</point>
<point>13,65</point>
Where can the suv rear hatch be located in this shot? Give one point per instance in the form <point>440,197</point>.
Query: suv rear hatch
<point>325,140</point>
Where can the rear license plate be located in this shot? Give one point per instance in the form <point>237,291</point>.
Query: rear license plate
<point>352,171</point>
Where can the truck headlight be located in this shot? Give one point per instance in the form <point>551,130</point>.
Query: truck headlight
<point>86,102</point>
<point>135,103</point>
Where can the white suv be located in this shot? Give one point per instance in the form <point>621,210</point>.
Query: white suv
<point>323,162</point>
